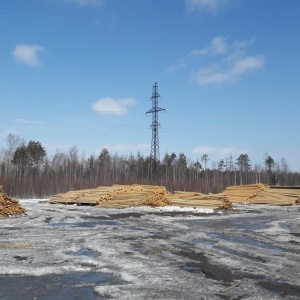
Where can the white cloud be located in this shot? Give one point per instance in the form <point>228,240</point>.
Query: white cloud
<point>205,5</point>
<point>109,106</point>
<point>81,3</point>
<point>225,61</point>
<point>248,63</point>
<point>179,65</point>
<point>28,54</point>
<point>228,73</point>
<point>221,45</point>
<point>215,150</point>
<point>218,45</point>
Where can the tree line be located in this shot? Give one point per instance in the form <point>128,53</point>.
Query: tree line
<point>27,171</point>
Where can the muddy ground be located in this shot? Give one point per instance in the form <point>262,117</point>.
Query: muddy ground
<point>72,252</point>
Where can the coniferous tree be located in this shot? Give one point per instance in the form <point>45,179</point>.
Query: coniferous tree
<point>269,164</point>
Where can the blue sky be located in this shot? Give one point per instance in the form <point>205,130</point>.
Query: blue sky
<point>80,73</point>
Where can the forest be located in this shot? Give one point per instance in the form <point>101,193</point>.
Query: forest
<point>27,171</point>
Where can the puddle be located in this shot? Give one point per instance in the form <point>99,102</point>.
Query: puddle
<point>294,242</point>
<point>73,286</point>
<point>205,242</point>
<point>243,240</point>
<point>230,251</point>
<point>20,258</point>
<point>136,228</point>
<point>48,219</point>
<point>61,224</point>
<point>297,234</point>
<point>86,224</point>
<point>285,227</point>
<point>14,228</point>
<point>84,252</point>
<point>114,216</point>
<point>252,223</point>
<point>211,271</point>
<point>191,269</point>
<point>281,288</point>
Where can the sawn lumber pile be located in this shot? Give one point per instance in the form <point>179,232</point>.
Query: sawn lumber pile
<point>8,206</point>
<point>263,194</point>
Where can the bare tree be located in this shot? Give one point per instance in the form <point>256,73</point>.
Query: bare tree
<point>284,169</point>
<point>27,171</point>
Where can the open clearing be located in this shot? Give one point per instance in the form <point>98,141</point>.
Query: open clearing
<point>83,252</point>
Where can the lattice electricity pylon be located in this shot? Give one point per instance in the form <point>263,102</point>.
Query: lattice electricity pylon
<point>154,156</point>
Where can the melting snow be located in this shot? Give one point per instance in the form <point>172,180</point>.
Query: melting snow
<point>150,253</point>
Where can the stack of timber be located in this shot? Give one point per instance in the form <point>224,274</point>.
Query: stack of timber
<point>226,204</point>
<point>8,206</point>
<point>244,193</point>
<point>158,197</point>
<point>196,200</point>
<point>86,196</point>
<point>115,196</point>
<point>281,196</point>
<point>263,194</point>
<point>124,196</point>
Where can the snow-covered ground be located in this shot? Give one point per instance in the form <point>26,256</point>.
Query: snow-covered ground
<point>82,252</point>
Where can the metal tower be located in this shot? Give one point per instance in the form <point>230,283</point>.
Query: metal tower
<point>154,156</point>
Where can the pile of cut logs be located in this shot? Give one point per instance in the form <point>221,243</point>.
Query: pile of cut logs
<point>115,196</point>
<point>157,197</point>
<point>113,193</point>
<point>263,194</point>
<point>123,196</point>
<point>281,196</point>
<point>244,193</point>
<point>8,206</point>
<point>197,200</point>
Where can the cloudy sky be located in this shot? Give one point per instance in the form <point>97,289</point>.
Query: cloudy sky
<point>80,73</point>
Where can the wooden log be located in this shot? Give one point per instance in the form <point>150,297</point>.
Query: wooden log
<point>9,206</point>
